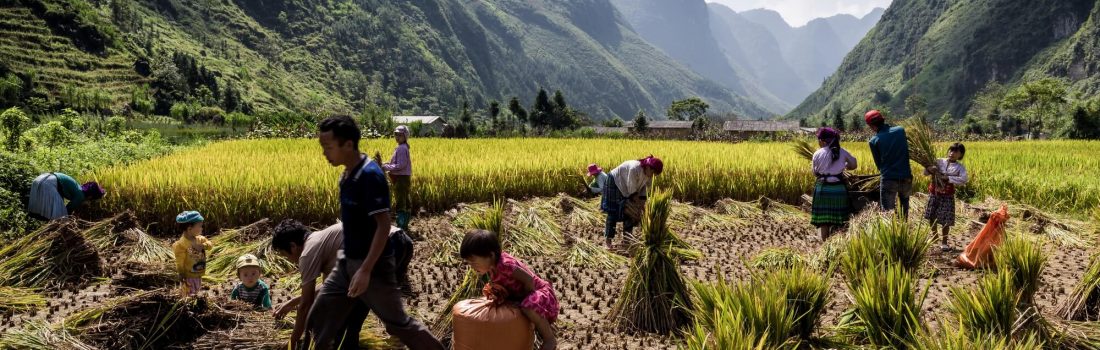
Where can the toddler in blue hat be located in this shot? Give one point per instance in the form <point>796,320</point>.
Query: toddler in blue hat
<point>190,251</point>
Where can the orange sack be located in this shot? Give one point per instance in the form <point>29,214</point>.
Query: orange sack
<point>979,253</point>
<point>478,324</point>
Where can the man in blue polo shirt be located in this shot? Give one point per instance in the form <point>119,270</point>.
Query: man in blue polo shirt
<point>366,269</point>
<point>890,148</point>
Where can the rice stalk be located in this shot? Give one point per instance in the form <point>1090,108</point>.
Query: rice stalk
<point>738,209</point>
<point>990,310</point>
<point>775,258</point>
<point>883,241</point>
<point>888,306</point>
<point>38,335</point>
<point>585,253</point>
<point>534,232</point>
<point>956,338</point>
<point>20,300</point>
<point>221,262</point>
<point>654,297</point>
<point>582,214</point>
<point>148,250</point>
<point>1083,304</point>
<point>1024,260</point>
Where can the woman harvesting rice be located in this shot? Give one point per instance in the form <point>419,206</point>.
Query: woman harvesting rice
<point>626,182</point>
<point>830,206</point>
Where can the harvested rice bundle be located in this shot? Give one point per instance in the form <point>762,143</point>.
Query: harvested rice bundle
<point>20,300</point>
<point>231,244</point>
<point>654,297</point>
<point>738,209</point>
<point>148,320</point>
<point>777,258</point>
<point>55,257</point>
<point>585,253</point>
<point>38,335</point>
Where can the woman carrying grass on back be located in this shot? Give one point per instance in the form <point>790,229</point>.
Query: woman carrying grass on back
<point>830,205</point>
<point>946,174</point>
<point>534,296</point>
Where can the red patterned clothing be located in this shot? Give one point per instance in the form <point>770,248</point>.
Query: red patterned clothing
<point>542,300</point>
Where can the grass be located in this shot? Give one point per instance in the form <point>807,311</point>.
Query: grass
<point>887,306</point>
<point>776,309</point>
<point>881,241</point>
<point>990,310</point>
<point>1024,260</point>
<point>654,297</point>
<point>239,182</point>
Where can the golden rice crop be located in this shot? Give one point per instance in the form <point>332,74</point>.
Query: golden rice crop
<point>238,182</point>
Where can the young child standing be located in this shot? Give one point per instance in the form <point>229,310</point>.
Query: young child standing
<point>481,250</point>
<point>400,171</point>
<point>251,289</point>
<point>190,251</point>
<point>946,174</point>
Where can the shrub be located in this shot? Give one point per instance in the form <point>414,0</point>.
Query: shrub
<point>52,134</point>
<point>14,122</point>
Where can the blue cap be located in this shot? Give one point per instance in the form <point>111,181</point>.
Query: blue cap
<point>189,217</point>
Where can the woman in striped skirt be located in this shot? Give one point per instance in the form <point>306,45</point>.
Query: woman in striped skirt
<point>830,207</point>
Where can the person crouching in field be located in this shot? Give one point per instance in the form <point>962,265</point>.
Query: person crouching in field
<point>190,252</point>
<point>534,296</point>
<point>597,178</point>
<point>628,182</point>
<point>830,205</point>
<point>400,171</point>
<point>946,174</point>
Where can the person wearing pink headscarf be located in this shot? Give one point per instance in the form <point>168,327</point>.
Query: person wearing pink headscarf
<point>830,206</point>
<point>626,182</point>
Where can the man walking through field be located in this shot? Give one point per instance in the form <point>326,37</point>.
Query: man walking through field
<point>890,149</point>
<point>365,269</point>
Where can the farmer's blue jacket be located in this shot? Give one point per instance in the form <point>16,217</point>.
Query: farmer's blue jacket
<point>890,149</point>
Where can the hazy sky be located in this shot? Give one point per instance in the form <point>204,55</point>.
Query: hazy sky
<point>798,12</point>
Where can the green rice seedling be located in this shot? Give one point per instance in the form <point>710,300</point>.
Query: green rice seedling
<point>1024,260</point>
<point>990,310</point>
<point>901,242</point>
<point>726,333</point>
<point>953,337</point>
<point>888,306</point>
<point>754,312</point>
<point>884,241</point>
<point>806,292</point>
<point>1083,303</point>
<point>775,258</point>
<point>20,300</point>
<point>38,335</point>
<point>654,297</point>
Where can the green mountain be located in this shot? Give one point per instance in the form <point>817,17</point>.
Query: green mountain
<point>419,56</point>
<point>682,29</point>
<point>816,49</point>
<point>755,53</point>
<point>946,51</point>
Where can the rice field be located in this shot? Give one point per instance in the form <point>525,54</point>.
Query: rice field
<point>235,183</point>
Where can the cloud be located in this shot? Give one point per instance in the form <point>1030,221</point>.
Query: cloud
<point>798,12</point>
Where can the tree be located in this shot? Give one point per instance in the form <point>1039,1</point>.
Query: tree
<point>542,111</point>
<point>15,122</point>
<point>1035,101</point>
<point>467,118</point>
<point>1083,125</point>
<point>946,122</point>
<point>971,126</point>
<point>856,124</point>
<point>613,123</point>
<point>838,118</point>
<point>641,124</point>
<point>687,109</point>
<point>517,109</point>
<point>494,112</point>
<point>881,96</point>
<point>916,106</point>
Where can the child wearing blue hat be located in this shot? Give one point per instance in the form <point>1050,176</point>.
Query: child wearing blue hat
<point>190,251</point>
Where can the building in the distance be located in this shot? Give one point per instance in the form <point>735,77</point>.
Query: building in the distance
<point>422,125</point>
<point>744,129</point>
